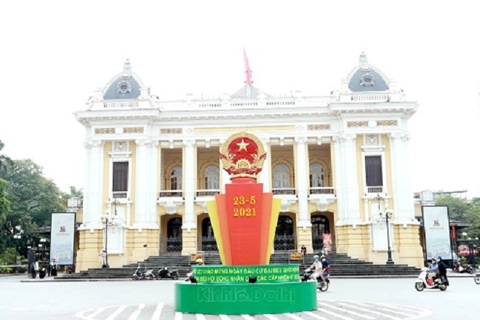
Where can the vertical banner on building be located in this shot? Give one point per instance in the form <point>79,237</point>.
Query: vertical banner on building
<point>62,237</point>
<point>436,225</point>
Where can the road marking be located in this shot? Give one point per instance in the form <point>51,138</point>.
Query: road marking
<point>158,311</point>
<point>334,314</point>
<point>313,315</point>
<point>136,313</point>
<point>246,316</point>
<point>92,316</point>
<point>224,317</point>
<point>271,317</point>
<point>200,316</point>
<point>116,313</point>
<point>368,310</point>
<point>293,316</point>
<point>345,310</point>
<point>178,316</point>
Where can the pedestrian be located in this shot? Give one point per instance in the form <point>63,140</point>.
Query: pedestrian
<point>102,258</point>
<point>54,268</point>
<point>32,270</point>
<point>303,249</point>
<point>36,267</point>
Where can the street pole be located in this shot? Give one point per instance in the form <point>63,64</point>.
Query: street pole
<point>389,260</point>
<point>106,242</point>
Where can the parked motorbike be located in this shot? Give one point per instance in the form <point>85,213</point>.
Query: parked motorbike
<point>149,275</point>
<point>165,273</point>
<point>139,274</point>
<point>425,282</point>
<point>321,285</point>
<point>461,269</point>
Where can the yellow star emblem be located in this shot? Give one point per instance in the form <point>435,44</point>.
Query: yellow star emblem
<point>242,145</point>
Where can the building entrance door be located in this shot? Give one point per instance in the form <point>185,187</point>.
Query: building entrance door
<point>320,225</point>
<point>284,235</point>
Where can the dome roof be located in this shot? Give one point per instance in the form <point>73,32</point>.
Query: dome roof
<point>365,77</point>
<point>125,85</point>
<point>248,92</point>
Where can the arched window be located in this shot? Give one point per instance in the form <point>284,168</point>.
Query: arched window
<point>281,176</point>
<point>284,226</point>
<point>212,178</point>
<point>316,176</point>
<point>176,179</point>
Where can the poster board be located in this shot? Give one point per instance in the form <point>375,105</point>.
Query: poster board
<point>436,225</point>
<point>62,238</point>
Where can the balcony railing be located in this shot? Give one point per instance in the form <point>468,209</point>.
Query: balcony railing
<point>280,191</point>
<point>375,189</point>
<point>170,193</point>
<point>207,192</point>
<point>322,190</point>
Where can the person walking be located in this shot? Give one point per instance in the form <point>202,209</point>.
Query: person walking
<point>54,268</point>
<point>36,267</point>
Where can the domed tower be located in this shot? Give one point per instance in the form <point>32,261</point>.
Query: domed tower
<point>372,168</point>
<point>125,89</point>
<point>365,80</point>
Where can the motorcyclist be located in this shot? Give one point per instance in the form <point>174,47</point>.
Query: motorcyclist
<point>325,268</point>
<point>433,269</point>
<point>316,266</point>
<point>442,270</point>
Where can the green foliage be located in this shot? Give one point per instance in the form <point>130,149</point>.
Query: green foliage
<point>28,191</point>
<point>464,211</point>
<point>9,256</point>
<point>4,203</point>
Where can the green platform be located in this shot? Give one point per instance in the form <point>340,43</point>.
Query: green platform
<point>245,298</point>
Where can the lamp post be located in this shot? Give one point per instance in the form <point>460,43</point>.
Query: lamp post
<point>388,216</point>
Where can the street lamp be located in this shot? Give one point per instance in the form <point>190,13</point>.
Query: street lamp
<point>388,216</point>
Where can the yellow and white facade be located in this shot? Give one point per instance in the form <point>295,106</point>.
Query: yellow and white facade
<point>335,161</point>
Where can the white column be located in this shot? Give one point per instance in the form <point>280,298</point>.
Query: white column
<point>351,179</point>
<point>266,174</point>
<point>189,168</point>
<point>301,172</point>
<point>93,187</point>
<point>224,176</point>
<point>402,190</point>
<point>145,189</point>
<point>339,179</point>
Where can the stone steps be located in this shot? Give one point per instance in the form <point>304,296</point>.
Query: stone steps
<point>341,265</point>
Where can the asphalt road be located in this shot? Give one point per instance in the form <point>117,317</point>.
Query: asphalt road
<point>346,299</point>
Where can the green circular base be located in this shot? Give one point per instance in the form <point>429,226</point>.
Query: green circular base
<point>245,298</point>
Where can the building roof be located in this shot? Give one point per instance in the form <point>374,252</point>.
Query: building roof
<point>365,77</point>
<point>125,85</point>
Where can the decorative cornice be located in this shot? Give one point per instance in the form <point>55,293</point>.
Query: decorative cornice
<point>171,131</point>
<point>245,129</point>
<point>387,123</point>
<point>354,124</point>
<point>315,127</point>
<point>104,130</point>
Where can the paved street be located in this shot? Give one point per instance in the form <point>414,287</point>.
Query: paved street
<point>346,299</point>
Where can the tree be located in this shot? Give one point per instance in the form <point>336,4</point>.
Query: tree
<point>4,203</point>
<point>457,208</point>
<point>30,192</point>
<point>4,160</point>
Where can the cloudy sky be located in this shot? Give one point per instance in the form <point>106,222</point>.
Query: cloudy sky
<point>54,54</point>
